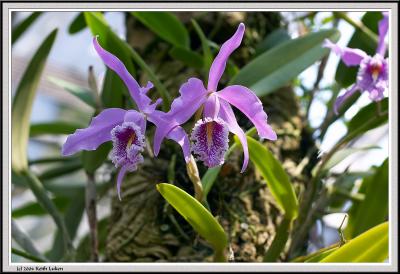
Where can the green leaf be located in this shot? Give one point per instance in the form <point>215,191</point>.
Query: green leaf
<point>26,255</point>
<point>276,67</point>
<point>342,154</point>
<point>186,56</point>
<point>54,128</point>
<point>82,93</point>
<point>35,209</point>
<point>196,215</point>
<point>24,25</point>
<point>23,101</point>
<point>78,24</point>
<point>347,75</point>
<point>92,160</point>
<point>273,39</point>
<point>369,113</point>
<point>371,246</point>
<point>275,176</point>
<point>60,170</point>
<point>166,25</point>
<point>374,208</point>
<point>207,56</point>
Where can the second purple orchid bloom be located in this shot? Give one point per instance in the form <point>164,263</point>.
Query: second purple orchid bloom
<point>372,76</point>
<point>126,128</point>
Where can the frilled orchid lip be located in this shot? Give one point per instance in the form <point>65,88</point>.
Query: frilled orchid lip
<point>128,143</point>
<point>373,76</point>
<point>210,141</point>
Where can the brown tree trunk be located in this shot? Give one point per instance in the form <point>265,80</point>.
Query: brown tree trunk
<point>143,227</point>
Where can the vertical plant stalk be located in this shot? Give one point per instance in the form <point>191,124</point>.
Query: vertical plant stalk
<point>279,242</point>
<point>219,256</point>
<point>90,199</point>
<point>193,174</point>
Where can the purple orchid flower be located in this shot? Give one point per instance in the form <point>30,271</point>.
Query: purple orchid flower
<point>372,75</point>
<point>210,134</point>
<point>125,128</point>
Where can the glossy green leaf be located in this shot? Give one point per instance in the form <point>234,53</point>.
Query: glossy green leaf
<point>23,101</point>
<point>24,25</point>
<point>273,39</point>
<point>275,176</point>
<point>82,93</point>
<point>186,56</point>
<point>166,25</point>
<point>347,75</point>
<point>196,215</point>
<point>35,209</point>
<point>78,24</point>
<point>276,67</point>
<point>54,128</point>
<point>374,208</point>
<point>370,113</point>
<point>371,246</point>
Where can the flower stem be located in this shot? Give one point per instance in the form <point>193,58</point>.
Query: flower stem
<point>90,204</point>
<point>279,242</point>
<point>193,173</point>
<point>358,25</point>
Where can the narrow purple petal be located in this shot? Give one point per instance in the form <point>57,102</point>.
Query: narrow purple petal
<point>226,114</point>
<point>247,102</point>
<point>211,106</point>
<point>193,95</point>
<point>340,100</point>
<point>121,175</point>
<point>98,132</point>
<point>116,65</point>
<point>349,56</point>
<point>179,135</point>
<point>219,63</point>
<point>383,27</point>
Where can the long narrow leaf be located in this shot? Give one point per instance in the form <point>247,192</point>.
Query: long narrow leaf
<point>24,25</point>
<point>23,101</point>
<point>196,215</point>
<point>275,176</point>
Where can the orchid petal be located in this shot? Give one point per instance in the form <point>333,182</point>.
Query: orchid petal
<point>137,118</point>
<point>121,175</point>
<point>211,106</point>
<point>349,56</point>
<point>179,135</point>
<point>248,103</point>
<point>193,95</point>
<point>118,67</point>
<point>340,100</point>
<point>226,114</point>
<point>218,66</point>
<point>383,27</point>
<point>96,133</point>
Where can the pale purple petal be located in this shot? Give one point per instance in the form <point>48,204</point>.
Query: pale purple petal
<point>383,29</point>
<point>219,63</point>
<point>250,105</point>
<point>116,65</point>
<point>137,118</point>
<point>193,95</point>
<point>179,135</point>
<point>98,132</point>
<point>340,100</point>
<point>349,56</point>
<point>226,114</point>
<point>211,106</point>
